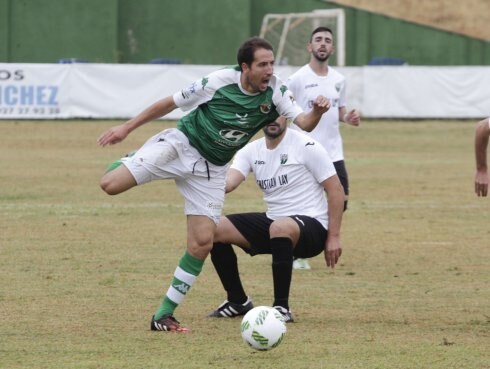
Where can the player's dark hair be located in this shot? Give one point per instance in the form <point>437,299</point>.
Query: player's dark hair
<point>246,52</point>
<point>320,29</point>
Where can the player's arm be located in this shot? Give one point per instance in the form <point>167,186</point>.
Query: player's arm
<point>352,117</point>
<point>308,121</point>
<point>335,196</point>
<point>233,179</point>
<point>118,133</point>
<point>481,144</point>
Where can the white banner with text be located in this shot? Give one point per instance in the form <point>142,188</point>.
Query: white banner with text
<point>120,91</point>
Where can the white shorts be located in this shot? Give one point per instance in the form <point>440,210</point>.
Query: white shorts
<point>168,155</point>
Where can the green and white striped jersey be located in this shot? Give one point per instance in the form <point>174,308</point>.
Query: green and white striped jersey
<point>226,116</point>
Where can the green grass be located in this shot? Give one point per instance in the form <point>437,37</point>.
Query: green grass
<point>82,272</point>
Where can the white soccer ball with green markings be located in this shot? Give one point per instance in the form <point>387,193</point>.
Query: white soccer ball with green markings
<point>263,328</point>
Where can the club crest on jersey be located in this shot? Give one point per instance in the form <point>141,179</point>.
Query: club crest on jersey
<point>338,86</point>
<point>284,158</point>
<point>265,108</point>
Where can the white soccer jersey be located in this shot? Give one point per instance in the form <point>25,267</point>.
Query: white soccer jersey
<point>305,86</point>
<point>289,175</point>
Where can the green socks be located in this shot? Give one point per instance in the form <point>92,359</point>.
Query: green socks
<point>184,276</point>
<point>118,162</point>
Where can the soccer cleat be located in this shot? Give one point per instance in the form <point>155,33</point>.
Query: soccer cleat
<point>230,309</point>
<point>286,314</point>
<point>301,264</point>
<point>167,323</point>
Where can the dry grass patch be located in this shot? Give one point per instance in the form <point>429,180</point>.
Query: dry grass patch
<point>83,272</point>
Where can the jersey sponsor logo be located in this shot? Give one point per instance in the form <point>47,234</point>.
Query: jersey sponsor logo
<point>270,183</point>
<point>259,162</point>
<point>242,119</point>
<point>311,85</point>
<point>284,158</point>
<point>232,135</point>
<point>309,144</point>
<point>266,184</point>
<point>265,108</point>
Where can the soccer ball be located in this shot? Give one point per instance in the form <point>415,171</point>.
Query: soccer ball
<point>263,328</point>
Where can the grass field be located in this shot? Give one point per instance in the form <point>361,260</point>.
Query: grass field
<point>82,272</point>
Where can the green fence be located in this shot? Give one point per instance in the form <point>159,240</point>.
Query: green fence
<point>203,32</point>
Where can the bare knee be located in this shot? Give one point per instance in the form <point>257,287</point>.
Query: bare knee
<point>117,181</point>
<point>108,186</point>
<point>200,231</point>
<point>284,227</point>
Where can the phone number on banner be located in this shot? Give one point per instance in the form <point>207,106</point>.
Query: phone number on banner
<point>28,111</point>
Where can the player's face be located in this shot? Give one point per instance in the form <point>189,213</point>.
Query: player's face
<point>256,77</point>
<point>276,128</point>
<point>321,46</point>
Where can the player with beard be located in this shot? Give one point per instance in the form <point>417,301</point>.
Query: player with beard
<point>228,107</point>
<point>318,77</point>
<point>294,173</point>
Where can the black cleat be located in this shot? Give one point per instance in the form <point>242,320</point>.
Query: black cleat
<point>167,323</point>
<point>286,314</point>
<point>230,309</point>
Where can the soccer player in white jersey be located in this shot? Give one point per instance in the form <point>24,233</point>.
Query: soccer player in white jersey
<point>317,77</point>
<point>482,135</point>
<point>231,105</point>
<point>294,173</point>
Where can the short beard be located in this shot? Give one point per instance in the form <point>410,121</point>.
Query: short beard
<point>273,134</point>
<point>324,59</point>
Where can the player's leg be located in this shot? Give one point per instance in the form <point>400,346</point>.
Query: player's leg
<point>240,230</point>
<point>226,265</point>
<point>200,230</point>
<point>203,190</point>
<point>149,163</point>
<point>117,180</point>
<point>284,234</point>
<point>308,240</point>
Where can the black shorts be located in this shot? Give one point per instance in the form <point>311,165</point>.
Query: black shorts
<point>342,174</point>
<point>255,228</point>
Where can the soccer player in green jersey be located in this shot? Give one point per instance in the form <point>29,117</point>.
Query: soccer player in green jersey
<point>231,105</point>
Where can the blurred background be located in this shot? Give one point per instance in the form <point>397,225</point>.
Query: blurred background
<point>434,32</point>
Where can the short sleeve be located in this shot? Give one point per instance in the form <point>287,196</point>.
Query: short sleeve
<point>242,160</point>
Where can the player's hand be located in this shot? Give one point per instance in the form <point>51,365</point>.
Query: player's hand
<point>321,104</point>
<point>113,135</point>
<point>333,251</point>
<point>481,183</point>
<point>353,118</point>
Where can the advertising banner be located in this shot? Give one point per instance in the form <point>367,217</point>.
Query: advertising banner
<point>120,91</point>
